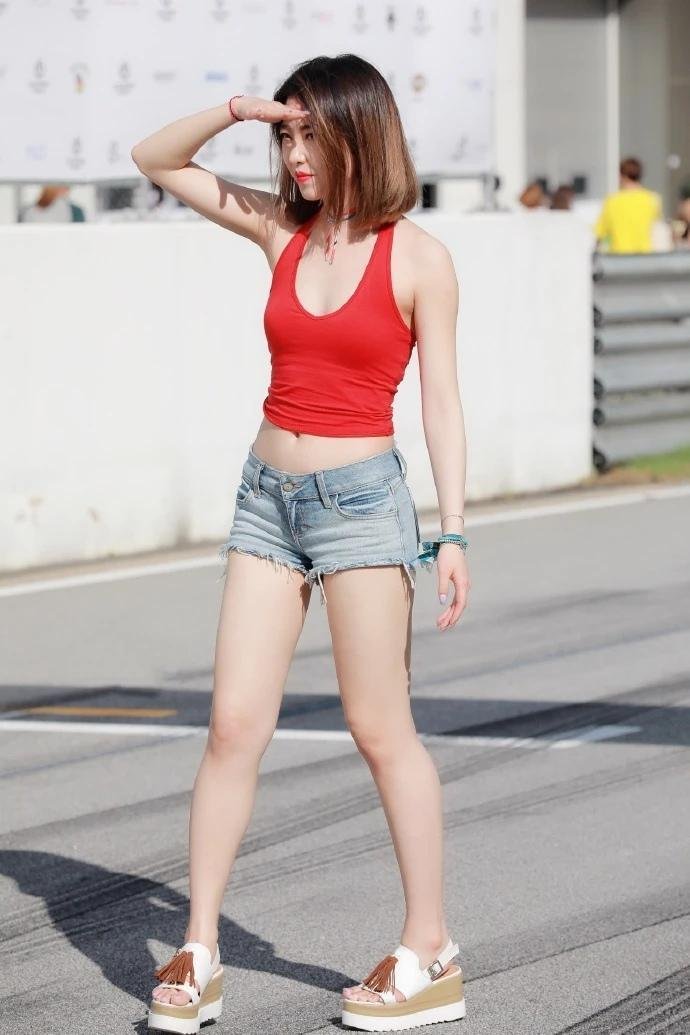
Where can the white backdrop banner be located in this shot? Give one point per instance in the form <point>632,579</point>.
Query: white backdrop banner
<point>81,81</point>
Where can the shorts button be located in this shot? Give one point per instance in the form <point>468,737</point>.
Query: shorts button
<point>288,486</point>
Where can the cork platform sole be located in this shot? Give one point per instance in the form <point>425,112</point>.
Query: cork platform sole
<point>186,1020</point>
<point>442,1000</point>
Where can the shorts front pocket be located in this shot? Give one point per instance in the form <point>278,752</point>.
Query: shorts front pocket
<point>366,502</point>
<point>414,511</point>
<point>243,490</point>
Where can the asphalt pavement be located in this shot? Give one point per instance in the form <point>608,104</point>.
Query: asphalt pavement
<point>558,714</point>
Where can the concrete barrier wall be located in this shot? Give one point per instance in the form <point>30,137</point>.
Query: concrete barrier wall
<point>134,367</point>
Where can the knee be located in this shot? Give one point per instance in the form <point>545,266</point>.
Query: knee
<point>381,743</point>
<point>236,732</point>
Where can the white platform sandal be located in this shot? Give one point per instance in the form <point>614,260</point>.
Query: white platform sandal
<point>432,994</point>
<point>192,963</point>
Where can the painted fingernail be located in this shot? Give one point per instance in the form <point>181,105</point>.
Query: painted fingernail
<point>442,597</point>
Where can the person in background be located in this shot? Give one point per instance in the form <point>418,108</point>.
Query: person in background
<point>52,206</point>
<point>534,196</point>
<point>681,221</point>
<point>562,197</point>
<point>628,216</point>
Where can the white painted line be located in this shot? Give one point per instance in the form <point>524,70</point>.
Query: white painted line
<point>573,738</point>
<point>289,734</point>
<point>592,734</point>
<point>104,729</point>
<point>135,571</point>
<point>616,498</point>
<point>620,499</point>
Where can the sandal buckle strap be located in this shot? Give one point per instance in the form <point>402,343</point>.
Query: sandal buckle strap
<point>434,969</point>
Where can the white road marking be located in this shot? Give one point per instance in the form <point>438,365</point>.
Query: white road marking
<point>592,734</point>
<point>128,729</point>
<point>91,578</point>
<point>613,498</point>
<point>573,738</point>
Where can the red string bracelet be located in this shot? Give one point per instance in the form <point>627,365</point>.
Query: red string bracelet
<point>230,107</point>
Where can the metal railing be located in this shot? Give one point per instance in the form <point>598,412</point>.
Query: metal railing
<point>641,355</point>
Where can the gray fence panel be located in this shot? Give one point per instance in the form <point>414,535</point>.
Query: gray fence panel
<point>641,406</point>
<point>655,266</point>
<point>641,355</point>
<point>636,300</point>
<point>624,441</point>
<point>644,335</point>
<point>631,371</point>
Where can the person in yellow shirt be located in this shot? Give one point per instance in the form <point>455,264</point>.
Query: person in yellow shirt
<point>628,215</point>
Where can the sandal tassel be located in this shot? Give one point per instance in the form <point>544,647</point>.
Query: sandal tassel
<point>382,977</point>
<point>177,968</point>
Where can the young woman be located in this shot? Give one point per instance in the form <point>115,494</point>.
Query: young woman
<point>323,498</point>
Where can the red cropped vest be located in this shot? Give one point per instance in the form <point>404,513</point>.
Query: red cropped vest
<point>336,374</point>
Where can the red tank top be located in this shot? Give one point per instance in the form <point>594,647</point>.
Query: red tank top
<point>336,374</point>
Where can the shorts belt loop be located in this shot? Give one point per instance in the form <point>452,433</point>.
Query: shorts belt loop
<point>401,460</point>
<point>323,493</point>
<point>255,480</point>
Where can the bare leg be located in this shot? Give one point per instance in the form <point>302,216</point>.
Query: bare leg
<point>370,618</point>
<point>252,660</point>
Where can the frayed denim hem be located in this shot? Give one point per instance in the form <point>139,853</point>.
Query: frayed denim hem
<point>277,562</point>
<point>315,574</point>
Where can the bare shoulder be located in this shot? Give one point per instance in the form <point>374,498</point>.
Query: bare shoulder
<point>431,266</point>
<point>429,254</point>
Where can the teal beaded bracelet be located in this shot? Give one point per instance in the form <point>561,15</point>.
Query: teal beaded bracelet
<point>430,546</point>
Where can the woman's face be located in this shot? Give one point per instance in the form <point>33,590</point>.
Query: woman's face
<point>299,152</point>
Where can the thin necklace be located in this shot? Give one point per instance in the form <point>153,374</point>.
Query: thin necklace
<point>333,235</point>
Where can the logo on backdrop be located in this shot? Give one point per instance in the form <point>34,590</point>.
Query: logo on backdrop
<point>80,74</point>
<point>123,84</point>
<point>418,83</point>
<point>254,86</point>
<point>167,10</point>
<point>476,22</point>
<point>36,152</point>
<point>219,11</point>
<point>164,75</point>
<point>39,82</point>
<point>215,75</point>
<point>289,16</point>
<point>421,22</point>
<point>360,23</point>
<point>75,158</point>
<point>81,9</point>
<point>114,153</point>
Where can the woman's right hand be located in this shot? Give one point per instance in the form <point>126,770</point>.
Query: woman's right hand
<point>261,110</point>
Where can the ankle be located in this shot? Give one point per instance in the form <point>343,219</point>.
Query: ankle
<point>426,943</point>
<point>206,936</point>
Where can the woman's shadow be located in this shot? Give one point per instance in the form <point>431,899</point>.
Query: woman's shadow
<point>81,903</point>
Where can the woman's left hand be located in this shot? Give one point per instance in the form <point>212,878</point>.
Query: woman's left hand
<point>452,567</point>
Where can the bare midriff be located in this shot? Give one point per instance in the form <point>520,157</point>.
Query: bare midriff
<point>301,453</point>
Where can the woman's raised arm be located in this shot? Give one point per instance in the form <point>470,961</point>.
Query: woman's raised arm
<point>165,157</point>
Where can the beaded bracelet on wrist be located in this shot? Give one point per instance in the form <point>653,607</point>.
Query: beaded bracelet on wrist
<point>430,546</point>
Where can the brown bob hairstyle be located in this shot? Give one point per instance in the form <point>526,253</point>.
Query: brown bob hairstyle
<point>352,110</point>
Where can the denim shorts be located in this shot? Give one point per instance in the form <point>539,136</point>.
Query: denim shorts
<point>355,516</point>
